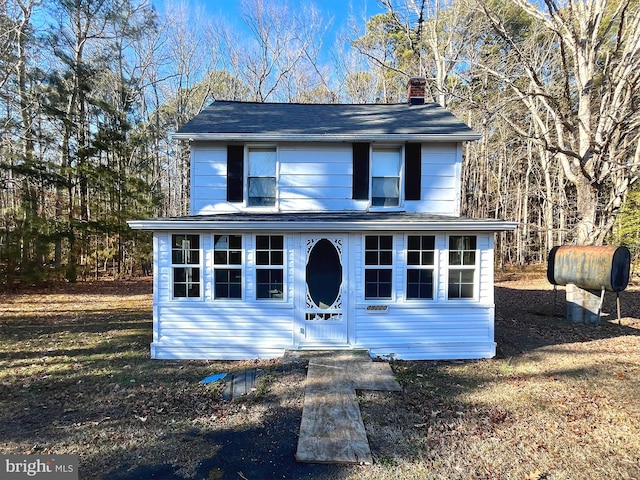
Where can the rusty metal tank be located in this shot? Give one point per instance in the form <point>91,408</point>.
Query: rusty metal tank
<point>590,267</point>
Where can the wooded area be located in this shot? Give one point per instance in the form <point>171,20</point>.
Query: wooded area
<point>91,91</point>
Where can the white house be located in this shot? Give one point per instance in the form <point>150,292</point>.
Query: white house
<point>324,227</point>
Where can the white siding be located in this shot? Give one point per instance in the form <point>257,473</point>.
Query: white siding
<point>424,330</point>
<point>318,177</point>
<point>430,329</point>
<point>440,180</point>
<point>201,328</point>
<point>250,328</point>
<point>209,178</point>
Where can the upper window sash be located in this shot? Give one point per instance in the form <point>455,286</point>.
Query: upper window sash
<point>261,179</point>
<point>256,175</point>
<point>387,176</point>
<point>386,169</point>
<point>462,250</point>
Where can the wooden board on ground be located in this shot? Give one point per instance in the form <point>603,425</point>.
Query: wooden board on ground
<point>331,429</point>
<point>374,376</point>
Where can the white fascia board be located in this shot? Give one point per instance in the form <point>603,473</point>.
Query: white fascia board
<point>252,137</point>
<point>302,226</point>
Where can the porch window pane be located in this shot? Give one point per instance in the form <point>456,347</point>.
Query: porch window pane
<point>420,261</point>
<point>227,252</point>
<point>179,275</point>
<point>379,255</point>
<point>235,257</point>
<point>462,257</point>
<point>419,284</point>
<point>185,250</point>
<point>262,258</point>
<point>371,258</point>
<point>386,257</point>
<point>269,283</point>
<point>186,282</point>
<point>228,283</point>
<point>179,290</point>
<point>262,242</point>
<point>269,256</point>
<point>377,283</point>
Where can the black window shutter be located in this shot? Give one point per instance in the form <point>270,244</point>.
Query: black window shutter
<point>235,173</point>
<point>412,171</point>
<point>360,171</point>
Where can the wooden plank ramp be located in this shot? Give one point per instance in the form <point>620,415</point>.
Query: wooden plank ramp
<point>331,429</point>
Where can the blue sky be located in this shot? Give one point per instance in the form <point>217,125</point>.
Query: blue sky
<point>336,10</point>
<point>339,9</point>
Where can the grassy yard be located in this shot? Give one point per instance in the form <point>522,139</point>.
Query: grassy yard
<point>559,402</point>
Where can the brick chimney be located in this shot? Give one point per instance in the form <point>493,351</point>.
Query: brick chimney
<point>415,90</point>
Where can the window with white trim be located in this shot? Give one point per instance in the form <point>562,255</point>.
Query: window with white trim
<point>378,271</point>
<point>385,176</point>
<point>420,266</point>
<point>185,264</point>
<point>227,266</point>
<point>462,266</point>
<point>269,266</point>
<point>378,173</point>
<point>261,179</point>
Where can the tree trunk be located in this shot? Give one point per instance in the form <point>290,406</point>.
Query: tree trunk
<point>587,205</point>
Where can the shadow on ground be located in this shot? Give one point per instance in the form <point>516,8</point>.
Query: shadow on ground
<point>535,318</point>
<point>265,452</point>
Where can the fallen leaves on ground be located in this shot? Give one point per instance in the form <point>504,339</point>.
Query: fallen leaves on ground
<point>558,402</point>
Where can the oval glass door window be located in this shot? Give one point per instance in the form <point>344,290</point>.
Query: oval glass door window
<point>324,274</point>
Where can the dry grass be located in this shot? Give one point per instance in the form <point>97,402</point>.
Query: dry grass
<point>559,402</point>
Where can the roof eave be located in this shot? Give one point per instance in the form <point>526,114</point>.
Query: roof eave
<point>332,226</point>
<point>254,137</point>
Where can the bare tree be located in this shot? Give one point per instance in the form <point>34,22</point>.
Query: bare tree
<point>279,60</point>
<point>437,32</point>
<point>585,111</point>
<point>419,38</point>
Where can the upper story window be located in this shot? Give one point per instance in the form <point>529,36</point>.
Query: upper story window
<point>420,266</point>
<point>378,261</point>
<point>385,177</point>
<point>185,264</point>
<point>227,265</point>
<point>378,173</point>
<point>462,266</point>
<point>261,180</point>
<point>269,266</point>
<point>257,178</point>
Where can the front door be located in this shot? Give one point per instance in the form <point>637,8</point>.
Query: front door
<point>324,322</point>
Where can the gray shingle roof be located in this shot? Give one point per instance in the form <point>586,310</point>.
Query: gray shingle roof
<point>295,121</point>
<point>324,221</point>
